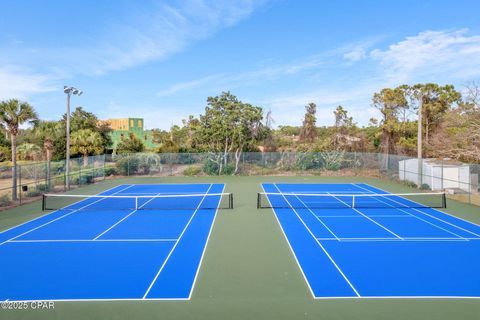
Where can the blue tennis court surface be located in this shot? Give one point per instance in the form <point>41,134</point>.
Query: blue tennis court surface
<point>394,250</point>
<point>93,250</point>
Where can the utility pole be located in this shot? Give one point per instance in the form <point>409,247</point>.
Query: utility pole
<point>420,142</point>
<point>69,91</point>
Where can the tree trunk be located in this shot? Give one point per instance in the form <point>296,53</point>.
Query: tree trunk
<point>387,150</point>
<point>238,153</point>
<point>14,166</point>
<point>225,155</point>
<point>85,160</point>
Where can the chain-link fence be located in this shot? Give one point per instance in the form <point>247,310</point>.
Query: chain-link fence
<point>459,180</point>
<point>37,178</point>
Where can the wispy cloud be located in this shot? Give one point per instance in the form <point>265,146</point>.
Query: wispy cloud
<point>356,54</point>
<point>437,56</point>
<point>250,77</point>
<point>428,56</point>
<point>152,34</point>
<point>432,55</point>
<point>289,109</point>
<point>18,83</point>
<point>182,86</point>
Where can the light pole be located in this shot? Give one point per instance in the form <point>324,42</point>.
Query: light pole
<point>420,142</point>
<point>69,91</point>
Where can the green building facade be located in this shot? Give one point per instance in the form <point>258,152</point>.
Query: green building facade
<point>122,128</point>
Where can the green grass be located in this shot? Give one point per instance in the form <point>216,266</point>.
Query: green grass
<point>248,271</point>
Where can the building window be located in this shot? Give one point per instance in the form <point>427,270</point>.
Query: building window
<point>131,123</point>
<point>139,123</point>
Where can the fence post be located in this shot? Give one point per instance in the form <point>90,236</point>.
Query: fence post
<point>441,176</point>
<point>47,178</point>
<point>104,159</point>
<point>355,160</point>
<point>64,177</point>
<point>19,173</point>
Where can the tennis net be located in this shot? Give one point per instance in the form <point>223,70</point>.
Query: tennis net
<point>338,201</point>
<point>143,202</point>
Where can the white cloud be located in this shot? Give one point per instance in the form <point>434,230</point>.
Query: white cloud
<point>182,86</point>
<point>356,54</point>
<point>18,83</point>
<point>289,109</point>
<point>152,34</point>
<point>248,78</point>
<point>437,56</point>
<point>430,56</point>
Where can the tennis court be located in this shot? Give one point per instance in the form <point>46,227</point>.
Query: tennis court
<point>130,242</point>
<point>354,240</point>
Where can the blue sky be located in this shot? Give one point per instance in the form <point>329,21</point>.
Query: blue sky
<point>160,60</point>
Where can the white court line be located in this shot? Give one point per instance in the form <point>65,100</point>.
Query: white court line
<point>370,215</point>
<point>314,297</point>
<point>152,194</point>
<point>123,219</point>
<point>329,230</point>
<point>445,239</point>
<point>89,240</point>
<point>44,215</point>
<point>176,243</point>
<point>414,216</point>
<point>204,248</point>
<point>378,224</point>
<point>431,216</point>
<point>290,246</point>
<point>321,246</point>
<point>65,215</point>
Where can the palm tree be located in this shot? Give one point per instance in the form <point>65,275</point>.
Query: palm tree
<point>85,142</point>
<point>13,113</point>
<point>29,151</point>
<point>47,132</point>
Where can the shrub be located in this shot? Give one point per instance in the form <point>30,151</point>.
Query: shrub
<point>147,161</point>
<point>185,158</point>
<point>85,180</point>
<point>5,200</point>
<point>192,171</point>
<point>211,168</point>
<point>332,166</point>
<point>425,186</point>
<point>308,161</point>
<point>33,193</point>
<point>127,165</point>
<point>110,171</point>
<point>42,187</point>
<point>410,184</point>
<point>5,154</point>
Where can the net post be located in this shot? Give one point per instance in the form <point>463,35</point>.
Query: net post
<point>230,199</point>
<point>43,202</point>
<point>444,200</point>
<point>258,200</point>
